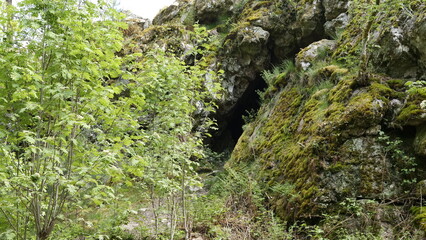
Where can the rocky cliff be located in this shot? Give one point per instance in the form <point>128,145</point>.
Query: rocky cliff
<point>341,110</point>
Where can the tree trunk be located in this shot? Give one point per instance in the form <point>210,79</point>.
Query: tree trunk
<point>9,1</point>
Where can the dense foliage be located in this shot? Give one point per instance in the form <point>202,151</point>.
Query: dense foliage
<point>75,126</point>
<point>104,120</point>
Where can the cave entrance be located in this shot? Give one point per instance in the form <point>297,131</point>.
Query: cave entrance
<point>231,125</point>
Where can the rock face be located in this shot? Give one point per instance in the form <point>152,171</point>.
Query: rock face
<point>418,40</point>
<point>328,144</point>
<point>167,14</point>
<point>209,11</point>
<point>317,130</point>
<point>311,54</point>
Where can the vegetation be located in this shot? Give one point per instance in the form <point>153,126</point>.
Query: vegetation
<point>104,127</point>
<point>77,128</point>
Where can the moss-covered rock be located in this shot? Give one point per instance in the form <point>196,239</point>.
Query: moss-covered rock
<point>326,142</point>
<point>413,113</point>
<point>313,53</point>
<point>209,11</point>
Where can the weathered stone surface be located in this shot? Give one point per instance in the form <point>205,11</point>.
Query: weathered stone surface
<point>420,140</point>
<point>309,23</point>
<point>140,22</point>
<point>167,14</point>
<point>334,8</point>
<point>395,56</point>
<point>246,55</point>
<point>310,54</point>
<point>335,26</point>
<point>208,11</point>
<point>251,39</point>
<point>363,171</point>
<point>418,40</point>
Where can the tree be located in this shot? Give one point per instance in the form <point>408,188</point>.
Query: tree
<point>177,109</point>
<point>60,125</point>
<point>73,127</point>
<point>176,117</point>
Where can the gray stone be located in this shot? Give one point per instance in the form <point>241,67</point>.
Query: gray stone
<point>167,14</point>
<point>335,26</point>
<point>310,54</point>
<point>334,8</point>
<point>208,11</point>
<point>395,56</point>
<point>252,39</point>
<point>310,21</point>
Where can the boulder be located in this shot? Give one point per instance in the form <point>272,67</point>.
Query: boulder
<point>309,23</point>
<point>394,54</point>
<point>306,58</point>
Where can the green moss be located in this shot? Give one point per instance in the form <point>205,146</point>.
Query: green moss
<point>420,216</point>
<point>242,150</point>
<point>413,113</point>
<point>342,91</point>
<point>381,91</point>
<point>281,80</point>
<point>397,84</point>
<point>410,112</point>
<point>337,167</point>
<point>304,133</point>
<point>255,10</point>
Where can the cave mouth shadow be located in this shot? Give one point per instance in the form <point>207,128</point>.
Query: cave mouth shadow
<point>231,125</point>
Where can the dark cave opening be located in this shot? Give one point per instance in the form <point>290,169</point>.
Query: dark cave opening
<point>231,124</point>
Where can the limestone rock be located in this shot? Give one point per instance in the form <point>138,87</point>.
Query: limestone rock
<point>335,26</point>
<point>395,56</point>
<point>310,21</point>
<point>251,39</point>
<point>133,19</point>
<point>246,54</point>
<point>307,56</point>
<point>167,14</point>
<point>334,8</point>
<point>418,40</point>
<point>362,172</point>
<point>208,11</point>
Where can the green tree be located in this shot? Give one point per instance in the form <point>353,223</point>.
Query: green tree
<point>60,124</point>
<point>179,102</point>
<point>75,124</point>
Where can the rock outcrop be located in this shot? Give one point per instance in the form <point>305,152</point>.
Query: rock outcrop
<point>316,130</point>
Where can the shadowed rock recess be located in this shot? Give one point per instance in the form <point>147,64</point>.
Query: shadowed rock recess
<point>314,127</point>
